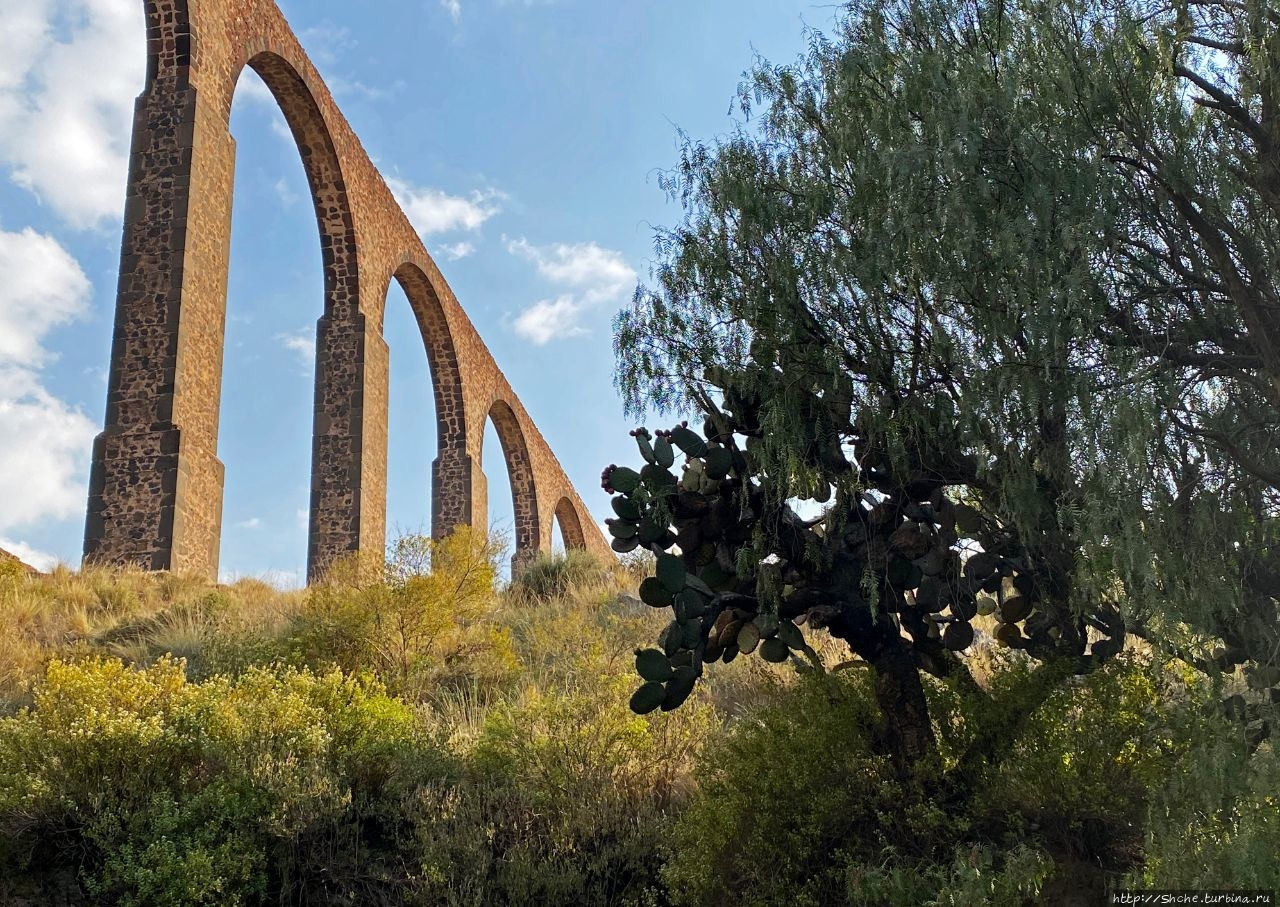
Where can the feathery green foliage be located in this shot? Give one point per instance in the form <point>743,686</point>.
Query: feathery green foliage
<point>991,285</point>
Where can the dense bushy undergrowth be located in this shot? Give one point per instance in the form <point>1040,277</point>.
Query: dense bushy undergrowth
<point>417,737</point>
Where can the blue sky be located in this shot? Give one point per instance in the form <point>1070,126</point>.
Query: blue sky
<point>524,139</point>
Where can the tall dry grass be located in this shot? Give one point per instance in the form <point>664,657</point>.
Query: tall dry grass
<point>126,613</point>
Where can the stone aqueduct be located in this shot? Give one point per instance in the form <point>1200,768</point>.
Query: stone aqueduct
<point>155,496</point>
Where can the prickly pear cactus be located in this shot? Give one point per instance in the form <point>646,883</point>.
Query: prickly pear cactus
<point>896,559</point>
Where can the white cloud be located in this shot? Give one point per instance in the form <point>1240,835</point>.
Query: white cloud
<point>250,87</point>
<point>32,557</point>
<point>593,274</point>
<point>598,274</point>
<point>301,343</point>
<point>64,135</point>
<point>287,196</point>
<point>25,32</point>
<point>326,42</point>
<point>251,523</point>
<point>281,129</point>
<point>285,579</point>
<point>252,90</point>
<point>350,88</point>
<point>550,319</point>
<point>44,452</point>
<point>454,251</point>
<point>433,211</point>
<point>44,443</point>
<point>42,287</point>
<point>453,8</point>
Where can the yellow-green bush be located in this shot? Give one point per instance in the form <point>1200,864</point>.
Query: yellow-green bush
<point>492,759</point>
<point>135,616</point>
<point>160,791</point>
<point>556,576</point>
<point>787,799</point>
<point>567,803</point>
<point>565,743</point>
<point>427,621</point>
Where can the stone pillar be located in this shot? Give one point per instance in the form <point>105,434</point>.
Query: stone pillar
<point>522,559</point>
<point>459,493</point>
<point>155,495</point>
<point>532,529</point>
<point>349,444</point>
<point>372,536</point>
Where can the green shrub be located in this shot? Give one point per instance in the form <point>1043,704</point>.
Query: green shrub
<point>786,801</point>
<point>1080,775</point>
<point>489,843</point>
<point>161,791</point>
<point>567,804</point>
<point>552,576</point>
<point>426,623</point>
<point>795,807</point>
<point>978,875</point>
<point>1215,821</point>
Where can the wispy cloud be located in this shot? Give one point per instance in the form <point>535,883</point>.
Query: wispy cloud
<point>251,523</point>
<point>550,319</point>
<point>303,345</point>
<point>327,42</point>
<point>454,251</point>
<point>453,8</point>
<point>252,90</point>
<point>354,88</point>
<point>599,275</point>
<point>590,274</point>
<point>433,211</point>
<point>287,196</point>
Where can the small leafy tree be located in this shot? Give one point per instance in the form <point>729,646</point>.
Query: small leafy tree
<point>427,613</point>
<point>990,288</point>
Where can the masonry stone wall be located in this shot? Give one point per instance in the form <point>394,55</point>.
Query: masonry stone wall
<point>155,497</point>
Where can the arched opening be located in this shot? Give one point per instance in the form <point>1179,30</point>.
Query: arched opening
<point>412,432</point>
<point>449,471</point>
<point>335,510</point>
<point>525,531</point>
<point>274,292</point>
<point>499,516</point>
<point>156,489</point>
<point>569,526</point>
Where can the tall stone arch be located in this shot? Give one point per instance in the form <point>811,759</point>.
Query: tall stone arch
<point>452,474</point>
<point>155,497</point>
<point>524,495</point>
<point>570,524</point>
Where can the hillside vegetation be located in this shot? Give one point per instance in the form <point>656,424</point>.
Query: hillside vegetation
<point>428,739</point>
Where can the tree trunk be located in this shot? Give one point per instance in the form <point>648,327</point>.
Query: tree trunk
<point>907,734</point>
